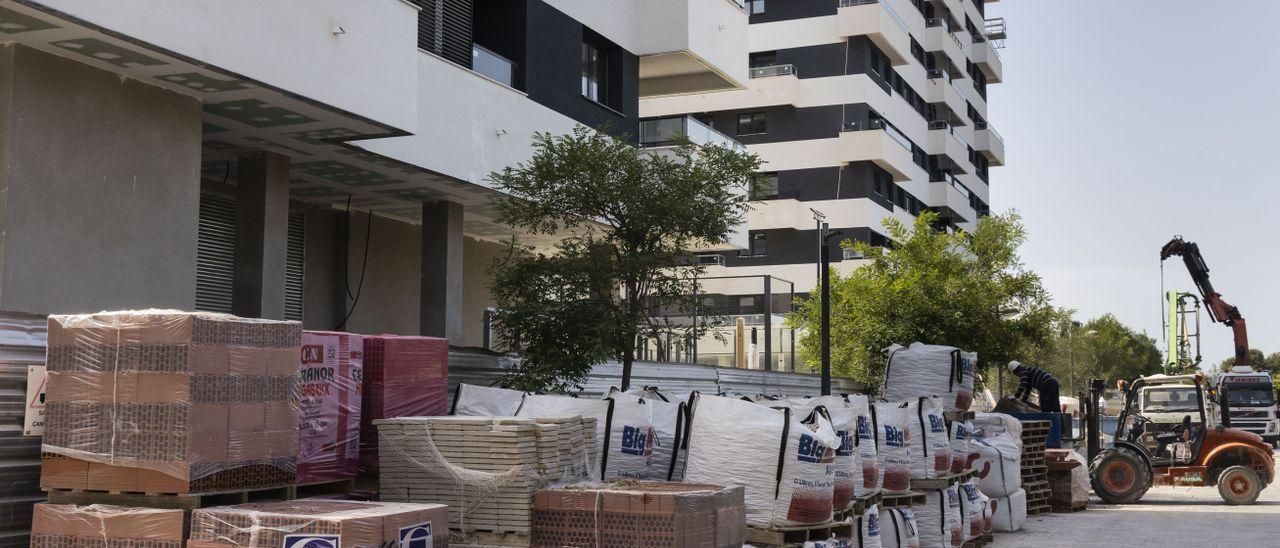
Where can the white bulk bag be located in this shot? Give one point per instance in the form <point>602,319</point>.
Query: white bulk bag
<point>986,425</point>
<point>548,406</point>
<point>987,516</point>
<point>998,465</point>
<point>781,462</point>
<point>972,506</point>
<point>930,448</point>
<point>486,401</point>
<point>868,532</point>
<point>869,475</point>
<point>960,433</point>
<point>629,453</point>
<point>898,529</point>
<point>668,420</point>
<point>955,517</point>
<point>847,464</point>
<point>1010,513</point>
<point>893,444</point>
<point>930,370</point>
<point>931,516</point>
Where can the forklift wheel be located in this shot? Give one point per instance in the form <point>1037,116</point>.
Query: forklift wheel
<point>1119,476</point>
<point>1239,485</point>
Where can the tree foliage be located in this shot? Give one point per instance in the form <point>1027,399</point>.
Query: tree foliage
<point>625,218</point>
<point>968,290</point>
<point>1101,348</point>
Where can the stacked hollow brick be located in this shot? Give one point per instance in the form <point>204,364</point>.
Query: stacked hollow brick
<point>639,514</point>
<point>170,402</point>
<point>68,525</point>
<point>1035,478</point>
<point>318,523</point>
<point>485,469</point>
<point>404,376</point>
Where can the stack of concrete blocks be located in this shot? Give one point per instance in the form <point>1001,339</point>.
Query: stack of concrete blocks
<point>629,514</point>
<point>160,401</point>
<point>485,469</point>
<point>69,525</point>
<point>318,523</point>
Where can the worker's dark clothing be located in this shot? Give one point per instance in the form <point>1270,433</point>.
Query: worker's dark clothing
<point>1044,383</point>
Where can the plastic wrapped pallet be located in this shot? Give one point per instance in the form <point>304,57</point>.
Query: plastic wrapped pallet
<point>542,405</point>
<point>782,461</point>
<point>962,455</point>
<point>486,401</point>
<point>898,529</point>
<point>68,525</point>
<point>998,465</point>
<point>868,473</point>
<point>972,508</point>
<point>330,374</point>
<point>847,463</point>
<point>930,370</point>
<point>893,444</point>
<point>1009,513</point>
<point>165,401</point>
<point>307,523</point>
<point>988,425</point>
<point>679,515</point>
<point>930,446</point>
<point>404,376</point>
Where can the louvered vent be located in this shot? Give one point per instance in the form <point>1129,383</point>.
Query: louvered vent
<point>444,28</point>
<point>215,252</point>
<point>293,268</point>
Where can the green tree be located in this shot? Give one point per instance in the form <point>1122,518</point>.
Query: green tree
<point>625,218</point>
<point>1101,348</point>
<point>968,290</point>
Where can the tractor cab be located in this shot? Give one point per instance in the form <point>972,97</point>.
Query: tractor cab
<point>1167,416</point>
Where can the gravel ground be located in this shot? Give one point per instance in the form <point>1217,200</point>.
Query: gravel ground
<point>1166,517</point>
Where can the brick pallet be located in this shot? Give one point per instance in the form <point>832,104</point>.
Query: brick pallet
<point>631,513</point>
<point>796,537</point>
<point>1060,482</point>
<point>1035,479</point>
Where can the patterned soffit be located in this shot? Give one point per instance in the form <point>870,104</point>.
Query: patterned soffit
<point>242,115</point>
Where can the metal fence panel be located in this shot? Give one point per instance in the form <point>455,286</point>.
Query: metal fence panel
<point>22,343</point>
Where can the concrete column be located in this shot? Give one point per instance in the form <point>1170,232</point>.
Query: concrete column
<point>441,270</point>
<point>262,232</point>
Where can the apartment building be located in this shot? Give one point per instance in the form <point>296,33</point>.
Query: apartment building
<point>862,110</point>
<point>321,160</point>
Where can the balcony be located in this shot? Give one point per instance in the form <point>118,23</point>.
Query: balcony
<point>878,21</point>
<point>938,37</point>
<point>988,60</point>
<point>941,89</point>
<point>665,132</point>
<point>691,46</point>
<point>770,71</point>
<point>946,141</point>
<point>987,141</point>
<point>949,193</point>
<point>880,142</point>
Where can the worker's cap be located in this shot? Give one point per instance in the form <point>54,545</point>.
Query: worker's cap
<point>1014,365</point>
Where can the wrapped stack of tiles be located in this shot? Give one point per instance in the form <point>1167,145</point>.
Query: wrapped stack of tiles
<point>1035,474</point>
<point>331,376</point>
<point>68,525</point>
<point>403,377</point>
<point>160,401</point>
<point>318,523</point>
<point>485,468</point>
<point>640,514</point>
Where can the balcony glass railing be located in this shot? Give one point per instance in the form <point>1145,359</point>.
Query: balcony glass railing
<point>936,22</point>
<point>657,132</point>
<point>871,125</point>
<point>492,66</point>
<point>773,70</point>
<point>897,19</point>
<point>979,126</point>
<point>956,184</point>
<point>946,126</point>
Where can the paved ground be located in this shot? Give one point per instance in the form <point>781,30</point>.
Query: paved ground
<point>1168,517</point>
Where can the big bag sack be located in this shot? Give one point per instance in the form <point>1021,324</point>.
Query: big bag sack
<point>930,370</point>
<point>869,475</point>
<point>629,454</point>
<point>486,401</point>
<point>669,419</point>
<point>893,444</point>
<point>847,464</point>
<point>998,465</point>
<point>898,529</point>
<point>930,447</point>
<point>1010,513</point>
<point>962,456</point>
<point>783,463</point>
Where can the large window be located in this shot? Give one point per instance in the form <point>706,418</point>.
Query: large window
<point>595,72</point>
<point>751,123</point>
<point>757,247</point>
<point>764,186</point>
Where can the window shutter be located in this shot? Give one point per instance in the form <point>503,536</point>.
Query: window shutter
<point>444,28</point>
<point>215,252</point>
<point>294,267</point>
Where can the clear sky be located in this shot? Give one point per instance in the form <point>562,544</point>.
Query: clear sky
<point>1129,121</point>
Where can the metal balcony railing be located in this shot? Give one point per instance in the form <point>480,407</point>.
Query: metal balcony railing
<point>872,125</point>
<point>657,132</point>
<point>956,184</point>
<point>773,70</point>
<point>946,126</point>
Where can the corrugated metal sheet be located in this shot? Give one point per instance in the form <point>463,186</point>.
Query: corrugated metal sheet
<point>485,368</point>
<point>22,343</point>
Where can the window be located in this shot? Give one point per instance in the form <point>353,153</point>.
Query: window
<point>763,59</point>
<point>751,123</point>
<point>756,247</point>
<point>764,186</point>
<point>707,120</point>
<point>594,72</point>
<point>755,7</point>
<point>746,303</point>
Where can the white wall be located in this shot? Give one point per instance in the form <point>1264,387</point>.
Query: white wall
<point>468,126</point>
<point>288,44</point>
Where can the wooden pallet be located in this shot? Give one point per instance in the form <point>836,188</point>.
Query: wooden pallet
<point>489,538</point>
<point>1064,507</point>
<point>959,415</point>
<point>933,484</point>
<point>325,488</point>
<point>860,506</point>
<point>180,501</point>
<point>903,500</point>
<point>789,537</point>
<point>985,539</point>
<point>1038,510</point>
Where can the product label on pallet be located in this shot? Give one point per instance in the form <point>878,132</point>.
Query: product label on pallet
<point>33,418</point>
<point>416,536</point>
<point>312,541</point>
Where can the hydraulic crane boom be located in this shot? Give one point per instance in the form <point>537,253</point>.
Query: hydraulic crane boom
<point>1219,310</point>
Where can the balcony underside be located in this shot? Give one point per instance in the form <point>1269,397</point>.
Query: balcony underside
<point>680,73</point>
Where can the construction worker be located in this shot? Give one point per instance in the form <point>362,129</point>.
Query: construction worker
<point>1039,379</point>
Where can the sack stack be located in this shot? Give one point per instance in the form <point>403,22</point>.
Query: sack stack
<point>331,373</point>
<point>403,377</point>
<point>68,525</point>
<point>319,522</point>
<point>678,515</point>
<point>163,401</point>
<point>485,469</point>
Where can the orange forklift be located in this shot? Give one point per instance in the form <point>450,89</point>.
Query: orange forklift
<point>1239,463</point>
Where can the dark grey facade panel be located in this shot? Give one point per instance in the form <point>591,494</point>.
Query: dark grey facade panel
<point>791,246</point>
<point>786,10</point>
<point>782,123</point>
